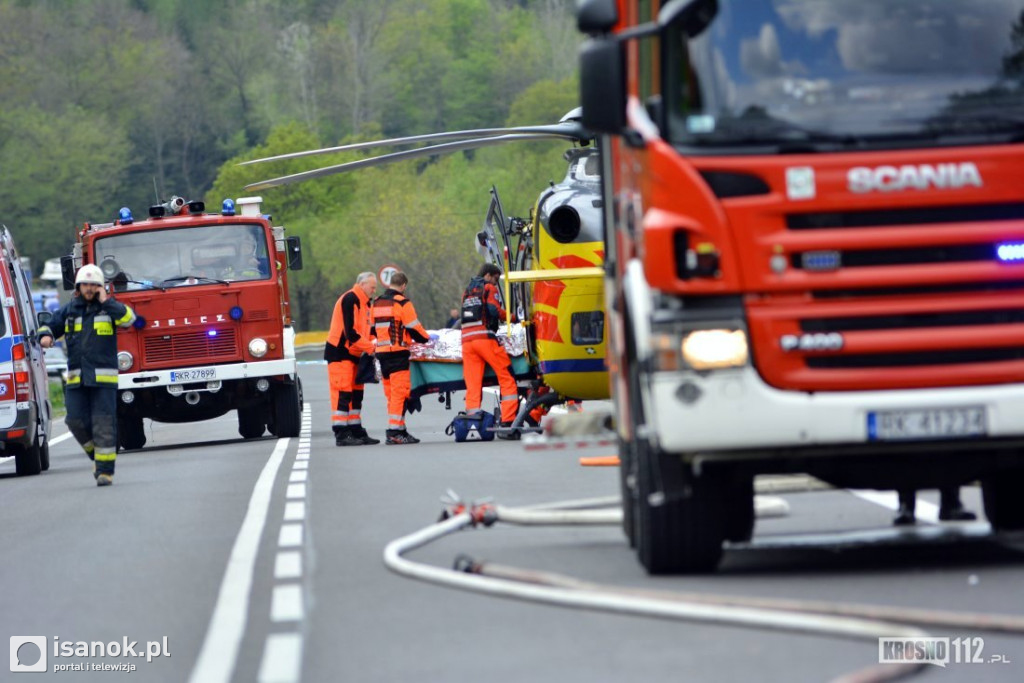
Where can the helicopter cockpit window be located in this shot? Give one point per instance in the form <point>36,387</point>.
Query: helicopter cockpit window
<point>587,328</point>
<point>186,256</point>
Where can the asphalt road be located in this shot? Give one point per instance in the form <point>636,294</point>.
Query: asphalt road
<point>262,561</point>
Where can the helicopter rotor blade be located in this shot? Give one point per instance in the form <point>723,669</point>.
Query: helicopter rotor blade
<point>570,130</point>
<point>399,156</point>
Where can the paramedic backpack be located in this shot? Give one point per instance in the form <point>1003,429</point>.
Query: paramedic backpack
<point>476,427</point>
<point>474,310</point>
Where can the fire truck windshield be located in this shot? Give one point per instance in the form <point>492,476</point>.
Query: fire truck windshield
<point>824,74</point>
<point>175,257</point>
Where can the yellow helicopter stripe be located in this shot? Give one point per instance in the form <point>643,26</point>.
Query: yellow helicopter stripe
<point>564,274</point>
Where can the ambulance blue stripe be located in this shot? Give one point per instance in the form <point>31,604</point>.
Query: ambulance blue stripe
<point>587,365</point>
<point>5,348</point>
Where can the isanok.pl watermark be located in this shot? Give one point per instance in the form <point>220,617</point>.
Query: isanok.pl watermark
<point>29,653</point>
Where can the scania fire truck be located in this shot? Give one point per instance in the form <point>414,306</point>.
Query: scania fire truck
<point>815,253</point>
<point>213,331</point>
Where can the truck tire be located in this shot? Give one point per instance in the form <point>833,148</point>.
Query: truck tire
<point>739,520</point>
<point>626,466</point>
<point>1004,505</point>
<point>131,433</point>
<point>26,461</point>
<point>44,454</point>
<point>287,410</point>
<point>682,528</point>
<point>252,422</point>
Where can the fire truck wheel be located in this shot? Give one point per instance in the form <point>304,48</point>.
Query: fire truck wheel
<point>1004,506</point>
<point>626,472</point>
<point>131,434</point>
<point>681,518</point>
<point>739,520</point>
<point>287,410</point>
<point>251,422</point>
<point>26,461</point>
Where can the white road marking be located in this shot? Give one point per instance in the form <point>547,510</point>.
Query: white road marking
<point>923,510</point>
<point>302,456</point>
<point>301,465</point>
<point>296,491</point>
<point>286,603</point>
<point>53,442</point>
<point>290,536</point>
<point>299,474</point>
<point>282,659</point>
<point>288,565</point>
<point>219,653</point>
<point>295,512</point>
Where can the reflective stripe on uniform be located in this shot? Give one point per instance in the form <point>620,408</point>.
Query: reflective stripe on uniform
<point>103,324</point>
<point>106,375</point>
<point>77,326</point>
<point>414,323</point>
<point>339,416</point>
<point>106,456</point>
<point>127,319</point>
<point>513,397</point>
<point>74,376</point>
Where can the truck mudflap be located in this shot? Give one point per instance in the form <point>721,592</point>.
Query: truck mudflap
<point>206,373</point>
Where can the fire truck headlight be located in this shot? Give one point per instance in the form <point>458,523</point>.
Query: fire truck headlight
<point>258,347</point>
<point>714,349</point>
<point>124,361</point>
<point>128,396</point>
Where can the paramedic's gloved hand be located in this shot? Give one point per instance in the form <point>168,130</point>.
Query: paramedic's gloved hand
<point>413,404</point>
<point>433,338</point>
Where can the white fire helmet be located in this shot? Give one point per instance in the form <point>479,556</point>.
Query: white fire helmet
<point>89,273</point>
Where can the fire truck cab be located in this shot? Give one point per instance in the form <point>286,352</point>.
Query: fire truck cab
<point>815,253</point>
<point>213,331</point>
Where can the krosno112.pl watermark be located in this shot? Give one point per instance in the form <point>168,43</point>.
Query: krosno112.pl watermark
<point>29,653</point>
<point>939,651</point>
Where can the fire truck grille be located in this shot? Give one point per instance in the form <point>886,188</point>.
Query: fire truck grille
<point>930,215</point>
<point>192,347</point>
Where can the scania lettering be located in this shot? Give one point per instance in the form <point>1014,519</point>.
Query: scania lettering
<point>213,331</point>
<point>814,253</point>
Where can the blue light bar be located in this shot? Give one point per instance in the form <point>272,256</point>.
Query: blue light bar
<point>821,260</point>
<point>1010,252</point>
<point>125,216</point>
<point>227,208</point>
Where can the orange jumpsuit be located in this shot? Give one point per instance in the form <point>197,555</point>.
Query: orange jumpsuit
<point>395,324</point>
<point>347,340</point>
<point>480,347</point>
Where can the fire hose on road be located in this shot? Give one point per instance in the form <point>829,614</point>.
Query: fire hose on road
<point>860,622</point>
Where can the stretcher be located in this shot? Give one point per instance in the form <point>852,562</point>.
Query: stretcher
<point>439,376</point>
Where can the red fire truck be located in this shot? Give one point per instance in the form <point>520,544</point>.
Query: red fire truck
<point>213,331</point>
<point>815,260</point>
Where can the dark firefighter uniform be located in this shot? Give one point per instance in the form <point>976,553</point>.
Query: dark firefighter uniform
<point>481,313</point>
<point>395,324</point>
<point>348,339</point>
<point>91,396</point>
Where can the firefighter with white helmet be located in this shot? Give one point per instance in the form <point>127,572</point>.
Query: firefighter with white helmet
<point>87,323</point>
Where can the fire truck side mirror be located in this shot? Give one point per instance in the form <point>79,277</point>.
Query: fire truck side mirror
<point>603,86</point>
<point>67,271</point>
<point>294,246</point>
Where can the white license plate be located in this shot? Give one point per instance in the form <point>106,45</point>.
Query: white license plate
<point>197,375</point>
<point>934,423</point>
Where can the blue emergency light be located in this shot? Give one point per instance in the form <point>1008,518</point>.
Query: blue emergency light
<point>1010,252</point>
<point>211,333</point>
<point>227,208</point>
<point>125,216</point>
<point>235,313</point>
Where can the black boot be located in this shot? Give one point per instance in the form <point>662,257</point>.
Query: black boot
<point>398,437</point>
<point>950,507</point>
<point>364,438</point>
<point>508,434</point>
<point>343,437</point>
<point>905,515</point>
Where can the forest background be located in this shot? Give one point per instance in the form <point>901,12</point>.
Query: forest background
<point>105,103</point>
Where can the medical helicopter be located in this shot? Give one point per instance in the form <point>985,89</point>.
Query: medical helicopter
<point>552,261</point>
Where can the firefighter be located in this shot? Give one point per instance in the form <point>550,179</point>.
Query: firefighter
<point>348,339</point>
<point>87,322</point>
<point>395,323</point>
<point>481,313</point>
<point>951,509</point>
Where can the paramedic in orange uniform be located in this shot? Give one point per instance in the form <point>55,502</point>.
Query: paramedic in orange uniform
<point>348,339</point>
<point>481,313</point>
<point>395,325</point>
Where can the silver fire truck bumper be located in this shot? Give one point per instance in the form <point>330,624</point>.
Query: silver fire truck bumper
<point>206,373</point>
<point>734,409</point>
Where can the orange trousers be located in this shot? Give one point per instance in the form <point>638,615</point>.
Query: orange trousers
<point>397,389</point>
<point>346,397</point>
<point>476,355</point>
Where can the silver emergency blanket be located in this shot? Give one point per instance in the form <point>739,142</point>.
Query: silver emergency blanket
<point>448,346</point>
